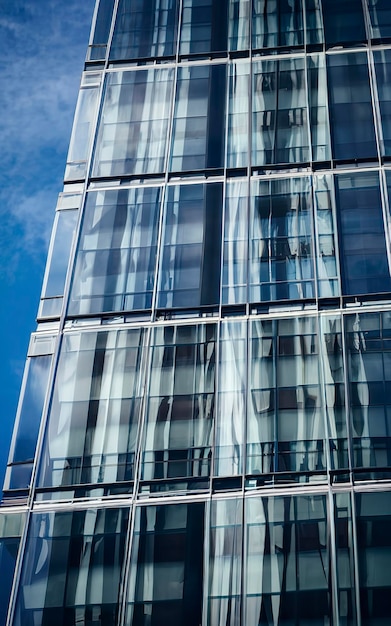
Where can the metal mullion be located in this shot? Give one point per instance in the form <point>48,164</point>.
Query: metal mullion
<point>333,555</point>
<point>347,398</point>
<point>212,473</point>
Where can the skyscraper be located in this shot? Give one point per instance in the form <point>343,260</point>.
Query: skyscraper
<point>203,434</point>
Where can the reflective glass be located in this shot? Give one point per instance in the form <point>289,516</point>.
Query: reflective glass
<point>326,237</point>
<point>180,405</point>
<point>204,26</point>
<point>190,260</point>
<point>281,240</point>
<point>225,563</point>
<point>277,24</point>
<point>351,114</point>
<point>82,133</point>
<point>238,115</point>
<point>318,109</point>
<point>239,24</point>
<point>145,28</point>
<point>133,128</point>
<point>11,528</point>
<point>343,22</point>
<point>166,570</point>
<point>344,544</point>
<point>287,567</point>
<point>280,112</point>
<point>92,428</point>
<point>285,429</point>
<point>199,118</point>
<point>334,389</point>
<point>373,512</point>
<point>72,568</point>
<point>116,257</point>
<point>380,18</point>
<point>369,376</point>
<point>382,60</point>
<point>101,30</point>
<point>235,251</point>
<point>363,254</point>
<point>231,413</point>
<point>57,265</point>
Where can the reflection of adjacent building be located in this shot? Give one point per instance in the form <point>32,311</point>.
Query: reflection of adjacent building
<point>203,435</point>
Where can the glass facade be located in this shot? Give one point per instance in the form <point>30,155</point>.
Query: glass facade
<point>203,436</point>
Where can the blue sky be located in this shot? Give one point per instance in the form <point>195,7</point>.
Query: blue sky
<point>42,45</point>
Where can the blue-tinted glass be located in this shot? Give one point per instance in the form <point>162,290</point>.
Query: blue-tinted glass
<point>11,527</point>
<point>199,118</point>
<point>190,261</point>
<point>102,29</point>
<point>204,26</point>
<point>167,565</point>
<point>58,264</point>
<point>72,568</point>
<point>343,22</point>
<point>383,75</point>
<point>92,429</point>
<point>280,112</point>
<point>351,114</point>
<point>363,254</point>
<point>115,262</point>
<point>145,28</point>
<point>239,24</point>
<point>133,127</point>
<point>380,18</point>
<point>277,24</point>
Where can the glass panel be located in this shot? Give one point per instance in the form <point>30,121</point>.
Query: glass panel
<point>343,22</point>
<point>326,242</point>
<point>334,383</point>
<point>92,429</point>
<point>373,511</point>
<point>190,262</point>
<point>234,288</point>
<point>11,528</point>
<point>239,24</point>
<point>319,116</point>
<point>72,568</point>
<point>82,133</point>
<point>347,609</point>
<point>115,263</point>
<point>363,253</point>
<point>232,399</point>
<point>380,17</point>
<point>280,116</point>
<point>383,75</point>
<point>57,264</point>
<point>238,115</point>
<point>145,28</point>
<point>180,405</point>
<point>225,563</point>
<point>204,26</point>
<point>351,115</point>
<point>281,240</point>
<point>287,561</point>
<point>277,24</point>
<point>199,118</point>
<point>285,429</point>
<point>313,22</point>
<point>369,360</point>
<point>97,50</point>
<point>28,422</point>
<point>166,570</point>
<point>134,123</point>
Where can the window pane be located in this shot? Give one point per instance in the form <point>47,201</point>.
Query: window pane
<point>180,405</point>
<point>146,28</point>
<point>204,26</point>
<point>190,262</point>
<point>277,24</point>
<point>133,128</point>
<point>115,263</point>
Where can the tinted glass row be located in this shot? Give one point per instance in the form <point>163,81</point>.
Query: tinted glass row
<point>279,240</point>
<point>294,396</point>
<point>149,28</point>
<point>279,111</point>
<point>259,562</point>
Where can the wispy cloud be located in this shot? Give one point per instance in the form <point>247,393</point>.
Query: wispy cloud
<point>43,47</point>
